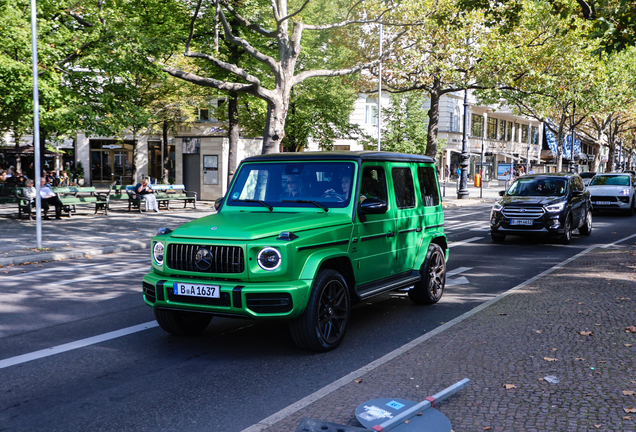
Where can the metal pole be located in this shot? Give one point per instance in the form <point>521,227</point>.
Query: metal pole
<point>36,123</point>
<point>462,191</point>
<point>620,157</point>
<point>481,169</point>
<point>528,159</point>
<point>380,92</point>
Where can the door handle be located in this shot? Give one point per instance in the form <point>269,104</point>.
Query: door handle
<point>390,234</point>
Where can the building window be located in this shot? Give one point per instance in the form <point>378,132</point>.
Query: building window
<point>477,125</point>
<point>509,132</point>
<point>492,128</point>
<point>502,130</point>
<point>204,114</point>
<point>535,135</point>
<point>524,133</point>
<point>371,111</point>
<point>191,145</point>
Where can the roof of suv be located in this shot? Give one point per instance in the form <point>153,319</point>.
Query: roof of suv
<point>566,175</point>
<point>341,155</point>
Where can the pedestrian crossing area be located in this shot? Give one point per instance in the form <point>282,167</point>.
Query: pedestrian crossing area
<point>451,225</point>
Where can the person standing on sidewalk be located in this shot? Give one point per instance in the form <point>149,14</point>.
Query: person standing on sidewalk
<point>47,196</point>
<point>446,173</point>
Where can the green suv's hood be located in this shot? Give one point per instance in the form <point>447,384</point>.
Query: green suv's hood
<point>255,225</point>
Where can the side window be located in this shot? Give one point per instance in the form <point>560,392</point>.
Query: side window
<point>373,183</point>
<point>428,186</point>
<point>403,187</point>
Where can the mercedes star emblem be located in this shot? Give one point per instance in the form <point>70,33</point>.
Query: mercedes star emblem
<point>203,259</point>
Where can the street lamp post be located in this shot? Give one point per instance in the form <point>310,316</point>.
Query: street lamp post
<point>462,192</point>
<point>36,124</point>
<point>380,93</point>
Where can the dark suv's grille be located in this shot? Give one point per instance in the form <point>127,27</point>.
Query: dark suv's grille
<point>523,212</point>
<point>222,259</point>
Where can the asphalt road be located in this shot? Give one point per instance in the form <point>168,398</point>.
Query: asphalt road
<point>62,368</point>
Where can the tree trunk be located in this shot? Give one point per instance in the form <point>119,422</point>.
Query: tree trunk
<point>559,156</point>
<point>433,121</point>
<point>165,170</point>
<point>233,134</point>
<point>134,157</point>
<point>274,126</point>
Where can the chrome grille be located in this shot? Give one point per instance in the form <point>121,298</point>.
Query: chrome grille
<point>225,259</point>
<point>523,212</point>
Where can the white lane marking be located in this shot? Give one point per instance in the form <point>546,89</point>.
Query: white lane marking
<point>460,215</point>
<point>75,268</point>
<point>458,270</point>
<point>618,241</point>
<point>457,281</point>
<point>330,388</point>
<point>459,243</point>
<point>12,361</point>
<point>100,276</point>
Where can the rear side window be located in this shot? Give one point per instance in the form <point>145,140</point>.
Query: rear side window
<point>428,186</point>
<point>403,187</point>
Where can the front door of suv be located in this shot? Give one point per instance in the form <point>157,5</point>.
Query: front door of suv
<point>373,252</point>
<point>577,200</point>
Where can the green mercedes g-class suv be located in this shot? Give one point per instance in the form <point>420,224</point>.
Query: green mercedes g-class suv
<point>301,237</point>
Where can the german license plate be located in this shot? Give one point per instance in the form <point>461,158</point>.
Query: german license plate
<point>601,203</point>
<point>193,290</point>
<point>521,221</point>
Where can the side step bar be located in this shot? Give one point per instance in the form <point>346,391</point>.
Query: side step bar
<point>387,285</point>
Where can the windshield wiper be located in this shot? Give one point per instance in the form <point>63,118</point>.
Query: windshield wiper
<point>263,203</point>
<point>325,208</point>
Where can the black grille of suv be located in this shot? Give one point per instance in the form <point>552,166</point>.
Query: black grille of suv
<point>525,212</point>
<point>224,259</point>
<point>269,302</point>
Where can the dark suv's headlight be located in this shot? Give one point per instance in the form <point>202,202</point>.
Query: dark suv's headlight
<point>555,208</point>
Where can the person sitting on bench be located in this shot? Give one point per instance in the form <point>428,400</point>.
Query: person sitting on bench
<point>147,192</point>
<point>47,196</point>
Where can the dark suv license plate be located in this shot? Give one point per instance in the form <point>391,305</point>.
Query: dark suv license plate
<point>521,221</point>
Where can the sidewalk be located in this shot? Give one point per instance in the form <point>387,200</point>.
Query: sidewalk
<point>475,195</point>
<point>567,326</point>
<point>85,233</point>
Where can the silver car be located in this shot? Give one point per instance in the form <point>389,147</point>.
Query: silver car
<point>613,191</point>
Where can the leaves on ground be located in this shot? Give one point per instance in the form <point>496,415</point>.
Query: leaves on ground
<point>629,410</point>
<point>549,359</point>
<point>539,331</point>
<point>509,386</point>
<point>630,329</point>
<point>629,392</point>
<point>586,333</point>
<point>357,381</point>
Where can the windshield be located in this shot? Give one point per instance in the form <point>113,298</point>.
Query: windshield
<point>587,174</point>
<point>293,184</point>
<point>538,186</point>
<point>605,180</point>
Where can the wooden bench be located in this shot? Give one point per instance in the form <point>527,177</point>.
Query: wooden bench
<point>163,193</point>
<point>72,196</point>
<point>9,194</point>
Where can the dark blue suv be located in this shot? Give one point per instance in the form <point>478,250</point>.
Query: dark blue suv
<point>550,205</point>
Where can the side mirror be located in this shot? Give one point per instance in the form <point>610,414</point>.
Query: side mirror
<point>577,193</point>
<point>502,193</point>
<point>373,206</point>
<point>218,203</point>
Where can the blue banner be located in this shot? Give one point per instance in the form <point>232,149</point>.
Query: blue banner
<point>551,140</point>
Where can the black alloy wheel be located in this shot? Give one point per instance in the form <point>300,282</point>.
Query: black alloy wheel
<point>182,323</point>
<point>586,228</point>
<point>566,237</point>
<point>430,288</point>
<point>324,323</point>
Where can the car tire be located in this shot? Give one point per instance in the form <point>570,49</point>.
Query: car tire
<point>182,323</point>
<point>430,288</point>
<point>497,238</point>
<point>566,237</point>
<point>630,212</point>
<point>586,228</point>
<point>324,323</point>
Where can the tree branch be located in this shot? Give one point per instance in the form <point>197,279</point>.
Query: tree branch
<point>269,61</point>
<point>258,29</point>
<point>79,19</point>
<point>228,67</point>
<point>293,14</point>
<point>194,17</point>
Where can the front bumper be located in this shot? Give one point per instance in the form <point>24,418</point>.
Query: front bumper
<point>237,299</point>
<point>548,225</point>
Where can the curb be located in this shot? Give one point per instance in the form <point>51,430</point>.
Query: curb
<point>57,256</point>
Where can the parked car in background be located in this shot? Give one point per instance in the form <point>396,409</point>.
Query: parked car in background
<point>587,177</point>
<point>300,237</point>
<point>551,205</point>
<point>613,191</point>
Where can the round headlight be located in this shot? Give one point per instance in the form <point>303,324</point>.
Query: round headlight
<point>268,259</point>
<point>157,253</point>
